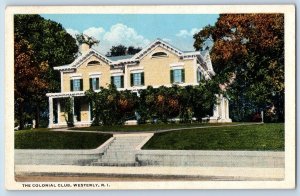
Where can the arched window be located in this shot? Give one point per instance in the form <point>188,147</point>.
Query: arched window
<point>93,63</point>
<point>159,54</point>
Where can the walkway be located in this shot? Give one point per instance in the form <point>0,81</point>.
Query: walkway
<point>157,131</point>
<point>122,150</point>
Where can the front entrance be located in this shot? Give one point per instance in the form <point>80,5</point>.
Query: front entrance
<point>77,109</point>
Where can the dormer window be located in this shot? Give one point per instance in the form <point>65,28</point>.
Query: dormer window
<point>159,54</point>
<point>93,63</point>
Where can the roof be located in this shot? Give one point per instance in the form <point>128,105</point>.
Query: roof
<point>116,58</point>
<point>202,55</point>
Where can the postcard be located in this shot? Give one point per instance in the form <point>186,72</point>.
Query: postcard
<point>150,97</point>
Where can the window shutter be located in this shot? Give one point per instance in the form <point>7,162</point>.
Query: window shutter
<point>97,83</point>
<point>91,83</point>
<point>71,85</point>
<point>182,75</point>
<point>122,81</point>
<point>131,79</point>
<point>142,79</point>
<point>171,76</point>
<point>81,84</point>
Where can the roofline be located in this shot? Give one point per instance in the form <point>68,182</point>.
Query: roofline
<point>135,58</point>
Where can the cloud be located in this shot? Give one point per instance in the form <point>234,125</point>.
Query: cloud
<point>166,39</point>
<point>187,33</point>
<point>117,34</point>
<point>72,32</point>
<point>94,32</point>
<point>122,34</point>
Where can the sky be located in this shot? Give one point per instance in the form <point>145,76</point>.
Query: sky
<point>136,30</point>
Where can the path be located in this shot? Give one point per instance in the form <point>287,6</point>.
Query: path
<point>157,131</point>
<point>122,150</point>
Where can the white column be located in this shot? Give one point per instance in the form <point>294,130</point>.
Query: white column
<point>125,76</point>
<point>227,109</point>
<point>58,111</point>
<point>73,109</point>
<point>50,112</point>
<point>223,108</point>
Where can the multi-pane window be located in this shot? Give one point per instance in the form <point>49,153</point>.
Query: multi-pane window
<point>94,83</point>
<point>177,76</point>
<point>76,85</point>
<point>137,79</point>
<point>199,76</point>
<point>118,81</point>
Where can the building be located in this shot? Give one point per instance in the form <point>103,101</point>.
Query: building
<point>158,64</point>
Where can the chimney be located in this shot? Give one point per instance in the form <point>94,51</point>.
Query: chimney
<point>84,48</point>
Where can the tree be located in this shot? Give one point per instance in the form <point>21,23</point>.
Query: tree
<point>120,50</point>
<point>28,80</point>
<point>248,57</point>
<point>131,50</point>
<point>51,45</point>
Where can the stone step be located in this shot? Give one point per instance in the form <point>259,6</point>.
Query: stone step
<point>124,164</point>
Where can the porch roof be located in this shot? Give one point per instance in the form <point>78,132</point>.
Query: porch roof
<point>66,94</point>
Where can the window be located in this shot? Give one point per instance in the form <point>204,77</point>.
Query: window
<point>177,76</point>
<point>118,81</point>
<point>93,63</point>
<point>159,54</point>
<point>137,79</point>
<point>199,76</point>
<point>94,83</point>
<point>76,85</point>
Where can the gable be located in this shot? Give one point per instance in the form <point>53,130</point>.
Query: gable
<point>157,43</point>
<point>159,52</point>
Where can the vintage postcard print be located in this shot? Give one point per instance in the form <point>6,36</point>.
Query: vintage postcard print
<point>150,97</point>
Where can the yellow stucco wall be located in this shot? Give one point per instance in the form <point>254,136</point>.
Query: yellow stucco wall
<point>157,69</point>
<point>85,70</point>
<point>156,73</point>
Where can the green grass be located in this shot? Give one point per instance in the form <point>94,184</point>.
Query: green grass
<point>253,137</point>
<point>146,127</point>
<point>45,139</point>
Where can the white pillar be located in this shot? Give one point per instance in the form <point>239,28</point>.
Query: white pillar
<point>125,76</point>
<point>58,111</point>
<point>50,112</point>
<point>227,109</point>
<point>73,109</point>
<point>223,108</point>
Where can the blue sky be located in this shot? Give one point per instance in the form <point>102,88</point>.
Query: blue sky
<point>135,29</point>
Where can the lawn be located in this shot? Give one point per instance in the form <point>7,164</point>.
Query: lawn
<point>147,127</point>
<point>252,137</point>
<point>45,139</point>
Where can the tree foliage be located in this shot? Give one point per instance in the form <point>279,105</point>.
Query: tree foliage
<point>248,57</point>
<point>121,50</point>
<point>40,45</point>
<point>111,107</point>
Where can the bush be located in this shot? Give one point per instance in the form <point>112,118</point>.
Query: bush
<point>113,107</point>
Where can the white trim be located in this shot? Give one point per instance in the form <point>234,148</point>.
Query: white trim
<point>177,67</point>
<point>137,71</point>
<point>117,72</point>
<point>76,75</point>
<point>95,75</point>
<point>177,64</point>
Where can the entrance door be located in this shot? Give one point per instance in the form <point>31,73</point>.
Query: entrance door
<point>77,108</point>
